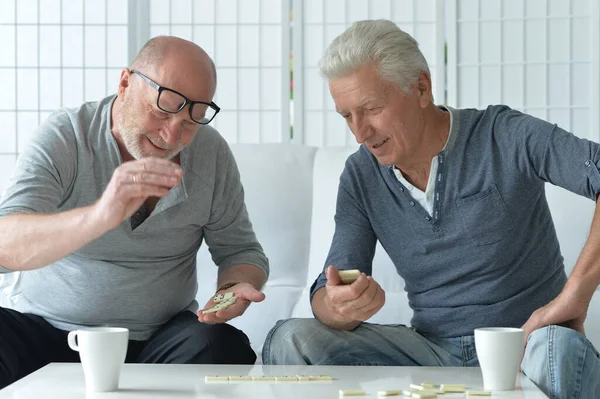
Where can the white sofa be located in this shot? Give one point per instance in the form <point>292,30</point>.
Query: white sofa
<point>290,195</point>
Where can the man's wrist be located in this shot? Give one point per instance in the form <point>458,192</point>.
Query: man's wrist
<point>227,286</point>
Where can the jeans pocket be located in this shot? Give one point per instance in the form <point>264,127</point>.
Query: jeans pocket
<point>485,216</point>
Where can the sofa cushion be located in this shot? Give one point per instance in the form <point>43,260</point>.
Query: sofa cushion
<point>278,180</point>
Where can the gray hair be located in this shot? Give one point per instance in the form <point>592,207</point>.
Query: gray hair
<point>379,42</point>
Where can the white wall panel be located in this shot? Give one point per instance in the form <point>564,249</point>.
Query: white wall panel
<point>538,56</point>
<point>248,89</point>
<point>116,52</point>
<point>72,87</point>
<point>8,82</point>
<point>95,84</point>
<point>95,46</point>
<point>271,51</point>
<point>27,11</point>
<point>270,90</point>
<point>27,93</point>
<point>274,11</point>
<point>248,49</point>
<point>160,12</point>
<point>50,88</point>
<point>8,144</point>
<point>72,45</point>
<point>27,123</point>
<point>271,123</point>
<point>512,79</point>
<point>72,11</point>
<point>249,12</point>
<point>53,54</point>
<point>8,47</point>
<point>50,11</point>
<point>95,12</point>
<point>50,48</point>
<point>181,12</point>
<point>7,166</point>
<point>27,45</point>
<point>226,46</point>
<point>204,12</point>
<point>8,7</point>
<point>247,133</point>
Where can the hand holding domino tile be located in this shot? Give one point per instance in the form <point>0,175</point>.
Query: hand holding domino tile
<point>228,304</point>
<point>352,295</point>
<point>337,276</point>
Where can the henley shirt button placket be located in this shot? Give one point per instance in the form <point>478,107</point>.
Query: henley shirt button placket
<point>588,163</point>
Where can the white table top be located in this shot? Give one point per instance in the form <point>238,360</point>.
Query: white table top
<point>65,381</point>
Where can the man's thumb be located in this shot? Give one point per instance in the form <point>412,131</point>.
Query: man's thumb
<point>333,277</point>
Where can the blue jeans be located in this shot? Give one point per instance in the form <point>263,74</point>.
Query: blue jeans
<point>560,361</point>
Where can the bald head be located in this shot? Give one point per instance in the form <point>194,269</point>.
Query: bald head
<point>172,59</point>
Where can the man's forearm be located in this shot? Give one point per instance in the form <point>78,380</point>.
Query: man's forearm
<point>243,273</point>
<point>324,313</point>
<point>585,277</point>
<point>31,241</point>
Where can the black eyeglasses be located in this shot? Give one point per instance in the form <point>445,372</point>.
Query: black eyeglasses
<point>172,102</point>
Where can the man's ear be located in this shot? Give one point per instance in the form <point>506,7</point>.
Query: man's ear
<point>123,82</point>
<point>424,89</point>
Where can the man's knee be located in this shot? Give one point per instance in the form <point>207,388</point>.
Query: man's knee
<point>293,330</point>
<point>552,341</point>
<point>223,343</point>
<point>556,358</point>
<point>290,340</point>
<point>8,364</point>
<point>25,345</point>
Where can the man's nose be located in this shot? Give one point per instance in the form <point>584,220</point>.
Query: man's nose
<point>171,132</point>
<point>362,131</point>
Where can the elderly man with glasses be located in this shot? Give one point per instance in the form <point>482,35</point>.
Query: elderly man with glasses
<point>106,212</point>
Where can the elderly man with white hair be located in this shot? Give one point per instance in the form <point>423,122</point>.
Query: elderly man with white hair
<point>456,198</point>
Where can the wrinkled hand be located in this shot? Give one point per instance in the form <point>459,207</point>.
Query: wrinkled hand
<point>358,301</point>
<point>132,183</point>
<point>568,310</point>
<point>245,293</point>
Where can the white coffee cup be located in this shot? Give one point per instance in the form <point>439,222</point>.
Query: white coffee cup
<point>499,350</point>
<point>102,351</point>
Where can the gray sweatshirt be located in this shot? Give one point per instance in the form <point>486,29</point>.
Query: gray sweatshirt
<point>138,278</point>
<point>488,255</point>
